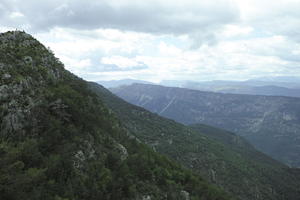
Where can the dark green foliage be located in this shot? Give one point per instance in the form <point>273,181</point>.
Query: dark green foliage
<point>59,142</point>
<point>270,123</point>
<point>220,156</point>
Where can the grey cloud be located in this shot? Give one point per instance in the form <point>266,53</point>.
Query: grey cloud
<point>5,10</point>
<point>278,18</point>
<point>2,10</point>
<point>289,27</point>
<point>5,7</point>
<point>203,37</point>
<point>287,56</point>
<point>141,16</point>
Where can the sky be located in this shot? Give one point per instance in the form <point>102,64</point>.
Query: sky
<point>158,40</point>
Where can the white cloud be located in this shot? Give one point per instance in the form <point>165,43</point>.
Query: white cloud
<point>232,30</point>
<point>120,61</point>
<point>154,40</point>
<point>280,17</point>
<point>14,15</point>
<point>169,50</point>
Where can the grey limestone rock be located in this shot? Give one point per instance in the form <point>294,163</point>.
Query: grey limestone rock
<point>123,152</point>
<point>185,195</point>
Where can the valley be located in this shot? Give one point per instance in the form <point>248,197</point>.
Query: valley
<point>270,123</point>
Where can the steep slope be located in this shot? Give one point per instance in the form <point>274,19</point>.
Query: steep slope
<point>220,156</point>
<point>58,141</point>
<point>271,124</point>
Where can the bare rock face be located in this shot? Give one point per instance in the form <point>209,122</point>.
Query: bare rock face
<point>23,78</point>
<point>123,151</point>
<point>185,195</point>
<point>146,197</point>
<point>15,108</point>
<point>6,76</point>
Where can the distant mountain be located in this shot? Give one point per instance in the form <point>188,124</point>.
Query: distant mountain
<point>258,83</point>
<point>280,81</point>
<point>287,79</point>
<point>271,86</point>
<point>245,89</point>
<point>58,141</point>
<point>221,156</point>
<point>117,83</point>
<point>174,83</point>
<point>264,90</point>
<point>271,124</point>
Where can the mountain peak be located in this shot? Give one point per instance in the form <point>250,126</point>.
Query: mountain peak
<point>13,39</point>
<point>12,35</point>
<point>22,57</point>
<point>26,68</point>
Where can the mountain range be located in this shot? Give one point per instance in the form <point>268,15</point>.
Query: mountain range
<point>270,86</point>
<point>222,157</point>
<point>270,123</point>
<point>279,81</point>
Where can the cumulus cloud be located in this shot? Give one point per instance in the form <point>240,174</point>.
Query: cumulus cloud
<point>143,16</point>
<point>155,39</point>
<point>279,17</point>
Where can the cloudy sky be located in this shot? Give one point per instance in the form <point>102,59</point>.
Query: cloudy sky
<point>164,39</point>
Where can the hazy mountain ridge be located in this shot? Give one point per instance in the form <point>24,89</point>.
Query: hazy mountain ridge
<point>59,142</point>
<point>117,83</point>
<point>284,81</point>
<point>264,90</point>
<point>270,86</point>
<point>223,157</point>
<point>270,123</point>
<point>252,87</point>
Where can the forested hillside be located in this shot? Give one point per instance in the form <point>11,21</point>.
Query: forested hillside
<point>58,141</point>
<point>271,124</point>
<point>222,157</point>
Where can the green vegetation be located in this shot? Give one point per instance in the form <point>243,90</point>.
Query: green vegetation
<point>222,157</point>
<point>59,142</point>
<point>270,123</point>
